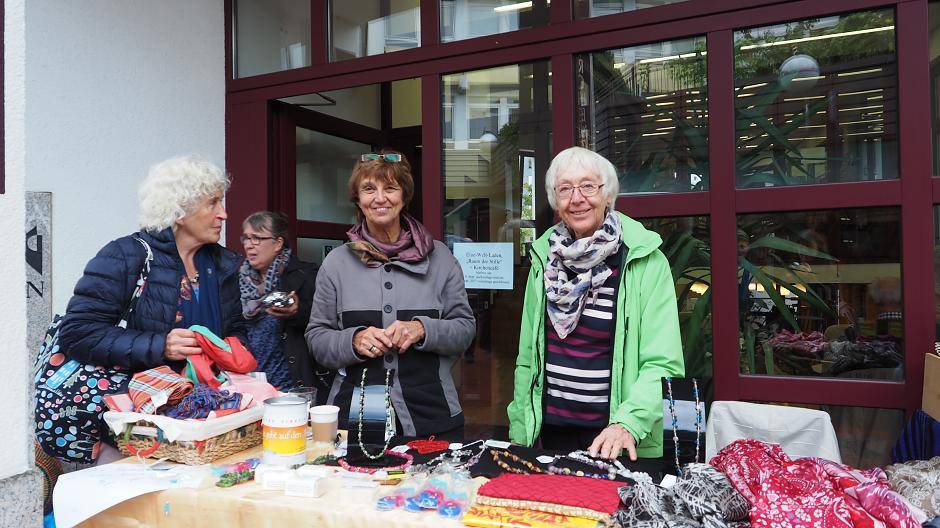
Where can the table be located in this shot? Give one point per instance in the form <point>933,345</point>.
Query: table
<point>250,506</point>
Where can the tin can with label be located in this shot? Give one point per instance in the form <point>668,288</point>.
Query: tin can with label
<point>284,431</point>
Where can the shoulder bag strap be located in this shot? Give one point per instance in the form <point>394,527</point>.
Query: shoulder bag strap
<point>141,282</point>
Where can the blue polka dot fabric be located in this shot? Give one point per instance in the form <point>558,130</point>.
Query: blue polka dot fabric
<point>69,406</point>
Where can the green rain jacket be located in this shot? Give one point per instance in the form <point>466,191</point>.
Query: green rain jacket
<point>646,350</point>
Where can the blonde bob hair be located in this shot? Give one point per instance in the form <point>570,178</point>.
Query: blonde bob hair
<point>172,188</point>
<point>578,157</point>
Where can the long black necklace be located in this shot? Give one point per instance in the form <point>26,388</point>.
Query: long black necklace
<point>388,414</point>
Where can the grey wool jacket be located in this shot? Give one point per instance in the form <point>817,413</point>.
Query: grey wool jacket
<point>351,296</point>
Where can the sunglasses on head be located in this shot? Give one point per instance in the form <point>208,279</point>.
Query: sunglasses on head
<point>394,158</point>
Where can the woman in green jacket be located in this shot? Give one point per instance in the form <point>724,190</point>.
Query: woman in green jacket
<point>600,326</point>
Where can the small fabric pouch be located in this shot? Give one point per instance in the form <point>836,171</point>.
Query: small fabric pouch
<point>576,492</point>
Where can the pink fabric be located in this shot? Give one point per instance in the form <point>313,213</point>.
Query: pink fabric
<point>252,389</point>
<point>812,492</point>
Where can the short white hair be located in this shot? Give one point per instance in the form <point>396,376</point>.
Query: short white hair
<point>586,159</point>
<point>172,188</point>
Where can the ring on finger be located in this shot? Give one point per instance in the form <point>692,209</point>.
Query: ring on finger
<point>372,349</point>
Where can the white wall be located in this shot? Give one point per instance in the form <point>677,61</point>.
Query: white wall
<point>15,458</point>
<point>112,87</point>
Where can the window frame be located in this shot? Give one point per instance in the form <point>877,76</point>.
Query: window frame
<point>916,191</point>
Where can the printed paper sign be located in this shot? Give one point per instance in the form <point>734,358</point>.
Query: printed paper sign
<point>486,265</point>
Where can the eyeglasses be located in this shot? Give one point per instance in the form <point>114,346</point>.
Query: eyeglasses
<point>254,239</point>
<point>587,189</point>
<point>393,158</point>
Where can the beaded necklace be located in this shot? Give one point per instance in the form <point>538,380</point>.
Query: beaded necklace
<point>698,418</point>
<point>675,421</point>
<point>610,475</point>
<point>675,424</point>
<point>388,414</point>
<point>408,459</point>
<point>532,468</point>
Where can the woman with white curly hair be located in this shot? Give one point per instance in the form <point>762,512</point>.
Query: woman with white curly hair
<point>192,280</point>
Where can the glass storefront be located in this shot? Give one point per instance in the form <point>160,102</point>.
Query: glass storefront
<point>464,19</point>
<point>686,244</point>
<point>270,36</point>
<point>496,145</point>
<point>812,97</point>
<point>324,163</point>
<point>816,101</point>
<point>596,8</point>
<point>360,28</point>
<point>820,294</point>
<point>645,109</point>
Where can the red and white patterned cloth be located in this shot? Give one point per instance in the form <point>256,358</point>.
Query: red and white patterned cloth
<point>812,492</point>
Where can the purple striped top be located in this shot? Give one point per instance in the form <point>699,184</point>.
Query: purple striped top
<point>577,369</point>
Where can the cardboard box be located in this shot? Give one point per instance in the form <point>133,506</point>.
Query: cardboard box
<point>931,400</point>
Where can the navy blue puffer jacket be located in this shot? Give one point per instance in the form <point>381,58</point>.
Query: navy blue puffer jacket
<point>88,332</point>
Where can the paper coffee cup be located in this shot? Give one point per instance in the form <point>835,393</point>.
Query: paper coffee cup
<point>324,421</point>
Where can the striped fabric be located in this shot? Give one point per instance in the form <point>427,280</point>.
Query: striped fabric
<point>153,388</point>
<point>577,368</point>
<point>919,440</point>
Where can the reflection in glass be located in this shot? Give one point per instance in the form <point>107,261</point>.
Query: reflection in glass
<point>270,36</point>
<point>936,265</point>
<point>820,294</point>
<point>816,101</point>
<point>324,164</point>
<point>596,8</point>
<point>933,18</point>
<point>866,435</point>
<point>686,244</point>
<point>361,28</point>
<point>359,104</point>
<point>464,19</point>
<point>315,249</point>
<point>496,148</point>
<point>645,109</point>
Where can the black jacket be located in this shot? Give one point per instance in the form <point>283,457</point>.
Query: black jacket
<point>88,332</point>
<point>301,277</point>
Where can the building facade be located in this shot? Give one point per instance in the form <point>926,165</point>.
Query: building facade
<point>781,148</point>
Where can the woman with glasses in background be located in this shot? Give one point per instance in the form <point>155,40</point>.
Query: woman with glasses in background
<point>276,331</point>
<point>600,326</point>
<point>392,299</point>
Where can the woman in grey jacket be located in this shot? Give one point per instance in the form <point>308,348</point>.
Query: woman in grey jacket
<point>392,298</point>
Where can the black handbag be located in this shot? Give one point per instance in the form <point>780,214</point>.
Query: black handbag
<point>70,395</point>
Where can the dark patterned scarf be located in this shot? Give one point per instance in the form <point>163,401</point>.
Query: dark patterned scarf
<point>575,268</point>
<point>253,287</point>
<point>414,243</point>
<point>704,498</point>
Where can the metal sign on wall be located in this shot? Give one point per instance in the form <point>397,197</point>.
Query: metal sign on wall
<point>38,267</point>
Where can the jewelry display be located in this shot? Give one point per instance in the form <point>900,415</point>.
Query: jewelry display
<point>675,425</point>
<point>408,459</point>
<point>698,418</point>
<point>426,447</point>
<point>388,414</point>
<point>675,421</point>
<point>614,466</point>
<point>552,468</point>
<point>455,457</point>
<point>499,454</point>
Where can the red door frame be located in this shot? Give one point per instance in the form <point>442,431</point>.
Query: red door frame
<point>915,192</point>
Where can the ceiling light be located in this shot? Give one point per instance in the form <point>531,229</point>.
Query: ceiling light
<point>817,37</point>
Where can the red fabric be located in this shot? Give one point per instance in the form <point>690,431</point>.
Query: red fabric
<point>812,492</point>
<point>580,492</point>
<point>214,359</point>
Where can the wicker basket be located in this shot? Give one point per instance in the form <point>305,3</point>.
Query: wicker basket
<point>145,440</point>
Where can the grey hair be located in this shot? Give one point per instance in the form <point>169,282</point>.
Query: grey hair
<point>273,222</point>
<point>172,188</point>
<point>587,159</point>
